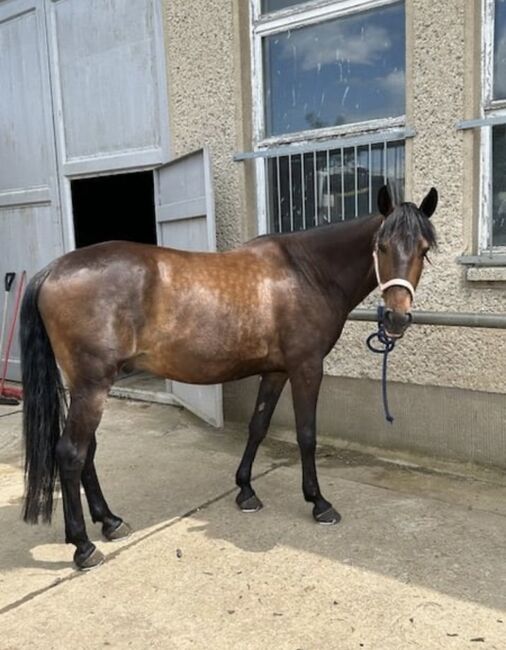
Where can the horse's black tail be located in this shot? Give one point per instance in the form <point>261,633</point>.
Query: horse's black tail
<point>43,406</point>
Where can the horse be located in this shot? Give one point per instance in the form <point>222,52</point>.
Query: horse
<point>273,307</point>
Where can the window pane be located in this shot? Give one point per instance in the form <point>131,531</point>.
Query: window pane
<point>499,185</point>
<point>336,72</point>
<point>276,5</point>
<point>314,188</point>
<point>500,50</point>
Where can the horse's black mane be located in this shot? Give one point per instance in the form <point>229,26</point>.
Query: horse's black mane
<point>408,223</point>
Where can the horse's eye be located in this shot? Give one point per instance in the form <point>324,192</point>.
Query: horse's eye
<point>425,255</point>
<point>382,248</point>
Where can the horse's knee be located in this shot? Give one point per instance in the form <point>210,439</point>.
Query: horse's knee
<point>307,439</point>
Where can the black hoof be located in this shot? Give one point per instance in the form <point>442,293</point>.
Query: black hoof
<point>89,559</point>
<point>328,517</point>
<point>114,533</point>
<point>253,504</point>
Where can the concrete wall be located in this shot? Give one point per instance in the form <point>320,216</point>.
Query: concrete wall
<point>210,102</point>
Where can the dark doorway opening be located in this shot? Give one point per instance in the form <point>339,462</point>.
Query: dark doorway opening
<point>114,207</point>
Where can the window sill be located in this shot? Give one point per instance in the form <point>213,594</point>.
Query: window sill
<point>484,268</point>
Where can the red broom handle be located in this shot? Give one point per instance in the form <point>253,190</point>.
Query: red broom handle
<point>12,328</point>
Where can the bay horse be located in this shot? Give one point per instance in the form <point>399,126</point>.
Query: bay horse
<point>274,307</point>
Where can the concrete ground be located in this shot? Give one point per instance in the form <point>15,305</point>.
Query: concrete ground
<point>418,560</point>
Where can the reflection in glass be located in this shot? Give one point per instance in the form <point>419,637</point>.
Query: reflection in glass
<point>341,71</point>
<point>314,188</point>
<point>500,50</point>
<point>499,185</point>
<point>276,5</point>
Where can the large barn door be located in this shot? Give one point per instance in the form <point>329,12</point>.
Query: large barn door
<point>30,223</point>
<point>110,87</point>
<point>184,205</point>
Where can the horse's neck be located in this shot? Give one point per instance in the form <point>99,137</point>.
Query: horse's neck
<point>343,259</point>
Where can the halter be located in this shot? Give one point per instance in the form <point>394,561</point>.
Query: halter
<point>395,282</point>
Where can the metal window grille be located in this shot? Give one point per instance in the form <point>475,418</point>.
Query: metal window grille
<point>310,188</point>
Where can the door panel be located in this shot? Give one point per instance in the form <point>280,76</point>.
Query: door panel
<point>30,224</point>
<point>184,204</point>
<point>110,84</point>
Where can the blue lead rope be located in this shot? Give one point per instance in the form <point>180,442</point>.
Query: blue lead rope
<point>388,345</point>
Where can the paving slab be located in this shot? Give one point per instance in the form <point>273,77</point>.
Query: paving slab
<point>418,560</point>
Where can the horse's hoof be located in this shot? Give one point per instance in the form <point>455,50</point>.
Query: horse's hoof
<point>328,517</point>
<point>253,504</point>
<point>120,532</point>
<point>89,561</point>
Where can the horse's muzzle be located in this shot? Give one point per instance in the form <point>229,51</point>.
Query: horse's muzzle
<point>396,322</point>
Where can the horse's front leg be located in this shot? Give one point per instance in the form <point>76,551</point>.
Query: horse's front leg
<point>270,389</point>
<point>306,381</point>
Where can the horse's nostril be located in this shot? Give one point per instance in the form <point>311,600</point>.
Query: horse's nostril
<point>396,320</point>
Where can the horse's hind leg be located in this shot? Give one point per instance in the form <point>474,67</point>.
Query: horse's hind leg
<point>85,411</point>
<point>113,527</point>
<point>270,389</point>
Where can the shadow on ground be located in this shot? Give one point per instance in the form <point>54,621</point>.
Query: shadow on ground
<point>157,463</point>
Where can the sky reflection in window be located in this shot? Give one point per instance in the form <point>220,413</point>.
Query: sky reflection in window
<point>341,71</point>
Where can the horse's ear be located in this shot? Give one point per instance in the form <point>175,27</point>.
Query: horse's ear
<point>385,205</point>
<point>428,205</point>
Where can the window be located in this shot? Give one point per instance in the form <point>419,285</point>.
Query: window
<point>329,102</point>
<point>493,135</point>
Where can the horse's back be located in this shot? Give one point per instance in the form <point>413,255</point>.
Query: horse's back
<point>173,312</point>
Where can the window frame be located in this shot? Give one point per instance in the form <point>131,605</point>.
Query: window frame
<point>267,24</point>
<point>491,109</point>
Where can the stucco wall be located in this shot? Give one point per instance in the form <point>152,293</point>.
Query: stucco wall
<point>209,87</point>
<point>441,87</point>
<point>205,64</point>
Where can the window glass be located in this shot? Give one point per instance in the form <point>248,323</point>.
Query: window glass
<point>341,71</point>
<point>500,50</point>
<point>276,5</point>
<point>499,185</point>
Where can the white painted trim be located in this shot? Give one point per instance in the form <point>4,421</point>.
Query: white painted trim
<point>367,126</point>
<point>309,14</point>
<point>487,51</point>
<point>125,161</point>
<point>162,83</point>
<point>493,111</point>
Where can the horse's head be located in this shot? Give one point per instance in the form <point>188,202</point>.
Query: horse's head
<point>402,243</point>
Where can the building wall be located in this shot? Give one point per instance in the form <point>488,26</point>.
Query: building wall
<point>210,98</point>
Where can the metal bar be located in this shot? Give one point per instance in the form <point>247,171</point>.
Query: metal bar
<point>315,190</point>
<point>303,175</point>
<point>342,184</point>
<point>333,143</point>
<point>369,167</point>
<point>278,176</point>
<point>479,122</point>
<point>385,162</point>
<point>356,181</point>
<point>444,319</point>
<point>290,187</point>
<point>328,186</point>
